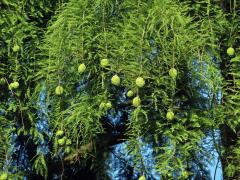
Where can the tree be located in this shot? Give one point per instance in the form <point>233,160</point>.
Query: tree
<point>22,28</point>
<point>229,109</point>
<point>159,66</point>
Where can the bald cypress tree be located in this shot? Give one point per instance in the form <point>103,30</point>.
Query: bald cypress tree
<point>159,66</point>
<point>229,109</point>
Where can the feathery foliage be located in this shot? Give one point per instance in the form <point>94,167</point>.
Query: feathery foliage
<point>140,39</point>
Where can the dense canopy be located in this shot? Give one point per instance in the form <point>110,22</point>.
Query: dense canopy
<point>79,77</point>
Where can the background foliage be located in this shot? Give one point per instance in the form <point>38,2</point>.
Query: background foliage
<point>42,45</point>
